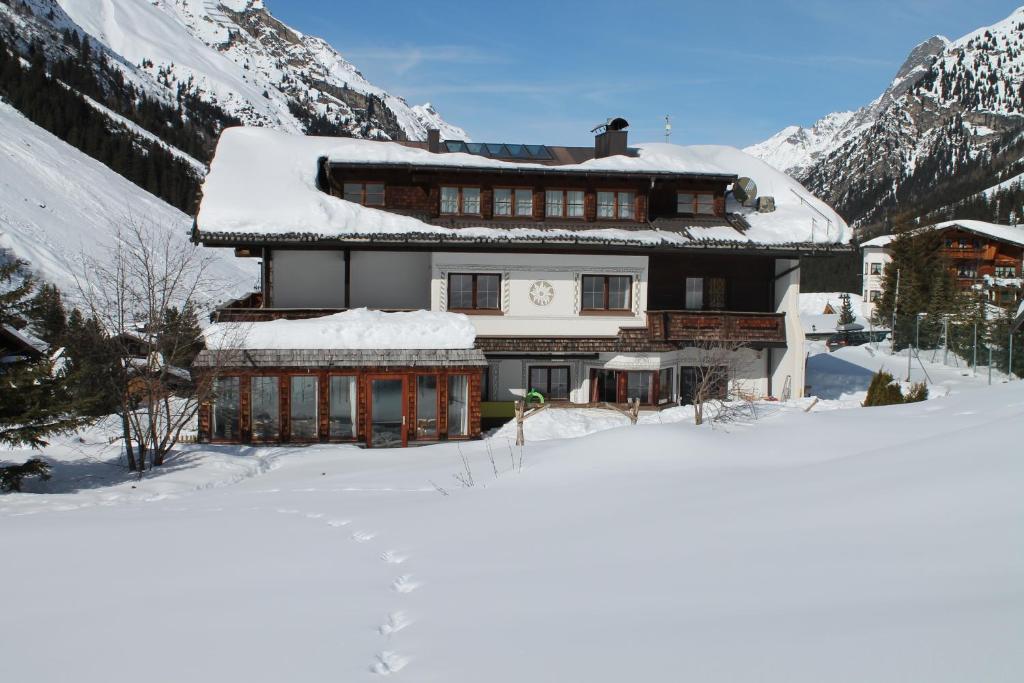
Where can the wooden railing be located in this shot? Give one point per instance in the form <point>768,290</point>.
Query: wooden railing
<point>725,326</point>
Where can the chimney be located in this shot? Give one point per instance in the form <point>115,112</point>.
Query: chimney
<point>434,140</point>
<point>611,138</point>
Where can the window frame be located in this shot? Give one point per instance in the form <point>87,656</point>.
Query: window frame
<point>363,194</point>
<point>448,377</point>
<point>476,309</point>
<point>565,203</point>
<point>330,409</point>
<point>513,205</point>
<point>461,208</point>
<point>606,310</point>
<point>695,203</point>
<point>666,389</point>
<point>316,408</point>
<point>436,436</point>
<point>617,206</point>
<point>1012,268</point>
<point>238,411</point>
<point>252,409</point>
<point>547,371</point>
<point>874,268</point>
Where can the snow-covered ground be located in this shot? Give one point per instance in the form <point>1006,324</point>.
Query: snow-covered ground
<point>868,544</point>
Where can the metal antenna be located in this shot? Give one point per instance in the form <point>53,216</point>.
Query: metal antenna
<point>668,127</point>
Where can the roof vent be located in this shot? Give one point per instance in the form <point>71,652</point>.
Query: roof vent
<point>611,138</point>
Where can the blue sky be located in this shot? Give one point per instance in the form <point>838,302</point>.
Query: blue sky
<point>545,72</point>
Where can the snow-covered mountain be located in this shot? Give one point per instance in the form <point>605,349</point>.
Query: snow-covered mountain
<point>237,56</point>
<point>947,106</point>
<point>58,205</point>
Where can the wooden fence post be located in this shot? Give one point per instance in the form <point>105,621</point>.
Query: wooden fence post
<point>520,409</point>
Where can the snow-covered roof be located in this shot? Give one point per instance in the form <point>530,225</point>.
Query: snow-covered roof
<point>355,329</point>
<point>26,340</point>
<point>880,241</point>
<point>262,183</point>
<point>1013,234</point>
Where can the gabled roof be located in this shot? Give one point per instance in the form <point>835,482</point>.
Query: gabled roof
<point>262,187</point>
<point>21,344</point>
<point>1011,234</point>
<point>880,241</point>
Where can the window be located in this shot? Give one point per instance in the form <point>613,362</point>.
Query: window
<point>606,292</point>
<point>265,410</point>
<point>367,194</point>
<point>876,268</point>
<point>638,386</point>
<point>460,201</point>
<point>665,377</point>
<point>563,203</point>
<point>966,270</point>
<point>714,293</point>
<point>551,382</point>
<point>1006,271</point>
<point>458,405</point>
<point>695,203</point>
<point>225,408</point>
<point>303,408</point>
<point>426,407</point>
<point>694,293</point>
<point>342,406</point>
<point>473,292</point>
<point>874,295</point>
<point>513,202</point>
<point>615,205</point>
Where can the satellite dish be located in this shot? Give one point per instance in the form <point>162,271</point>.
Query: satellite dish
<point>745,191</point>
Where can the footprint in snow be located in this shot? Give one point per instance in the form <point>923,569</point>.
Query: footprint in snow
<point>391,557</point>
<point>287,511</point>
<point>314,515</point>
<point>388,663</point>
<point>396,621</point>
<point>339,522</point>
<point>363,536</point>
<point>404,584</point>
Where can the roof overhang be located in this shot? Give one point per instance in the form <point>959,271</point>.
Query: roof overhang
<point>531,170</point>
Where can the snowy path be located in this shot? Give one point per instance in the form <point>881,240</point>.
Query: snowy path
<point>848,545</point>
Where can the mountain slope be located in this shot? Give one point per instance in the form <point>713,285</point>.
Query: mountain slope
<point>237,55</point>
<point>58,205</point>
<point>947,107</point>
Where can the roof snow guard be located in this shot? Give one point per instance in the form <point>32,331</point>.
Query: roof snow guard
<point>262,188</point>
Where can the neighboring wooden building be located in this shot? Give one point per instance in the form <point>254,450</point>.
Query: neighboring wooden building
<point>589,274</point>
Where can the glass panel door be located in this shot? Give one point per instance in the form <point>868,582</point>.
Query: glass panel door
<point>387,414</point>
<point>266,420</point>
<point>426,407</point>
<point>458,405</point>
<point>225,408</point>
<point>303,408</point>
<point>343,407</point>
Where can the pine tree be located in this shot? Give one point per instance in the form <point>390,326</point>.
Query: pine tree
<point>47,316</point>
<point>846,316</point>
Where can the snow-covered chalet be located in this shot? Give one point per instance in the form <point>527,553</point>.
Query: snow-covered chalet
<point>413,290</point>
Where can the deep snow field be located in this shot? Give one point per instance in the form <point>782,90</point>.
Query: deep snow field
<point>842,544</point>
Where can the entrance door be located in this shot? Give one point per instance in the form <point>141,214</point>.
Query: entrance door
<point>387,412</point>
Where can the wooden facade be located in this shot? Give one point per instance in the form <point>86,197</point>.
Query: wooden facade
<point>244,433</point>
<point>974,256</point>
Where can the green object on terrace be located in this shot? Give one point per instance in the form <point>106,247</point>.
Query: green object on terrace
<point>534,396</point>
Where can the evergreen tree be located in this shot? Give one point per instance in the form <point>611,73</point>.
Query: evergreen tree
<point>47,316</point>
<point>35,400</point>
<point>846,316</point>
<point>16,285</point>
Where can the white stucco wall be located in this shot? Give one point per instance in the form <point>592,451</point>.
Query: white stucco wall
<point>789,362</point>
<point>390,279</point>
<point>873,283</point>
<point>560,317</point>
<point>307,278</point>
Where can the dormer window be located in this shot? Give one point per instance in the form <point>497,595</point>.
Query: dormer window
<point>367,194</point>
<point>696,203</point>
<point>513,202</point>
<point>616,205</point>
<point>460,201</point>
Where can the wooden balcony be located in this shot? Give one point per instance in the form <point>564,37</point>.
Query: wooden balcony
<point>723,326</point>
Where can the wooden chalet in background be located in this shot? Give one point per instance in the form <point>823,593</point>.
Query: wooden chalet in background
<point>590,274</point>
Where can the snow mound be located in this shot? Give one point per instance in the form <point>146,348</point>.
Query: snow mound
<point>264,182</point>
<point>359,328</point>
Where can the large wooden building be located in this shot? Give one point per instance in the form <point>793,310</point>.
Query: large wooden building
<point>589,274</point>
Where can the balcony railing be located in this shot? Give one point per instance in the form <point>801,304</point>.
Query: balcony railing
<point>723,326</point>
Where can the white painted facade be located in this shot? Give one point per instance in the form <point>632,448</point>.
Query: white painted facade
<point>875,258</point>
<point>419,280</point>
